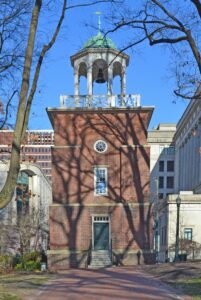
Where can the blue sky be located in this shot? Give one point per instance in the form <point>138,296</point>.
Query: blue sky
<point>147,73</point>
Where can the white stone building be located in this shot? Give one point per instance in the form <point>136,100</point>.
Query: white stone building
<point>162,154</point>
<point>189,226</point>
<point>188,149</point>
<point>32,198</point>
<point>187,184</point>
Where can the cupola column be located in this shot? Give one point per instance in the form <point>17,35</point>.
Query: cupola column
<point>76,83</point>
<point>123,81</point>
<point>89,82</point>
<point>110,80</point>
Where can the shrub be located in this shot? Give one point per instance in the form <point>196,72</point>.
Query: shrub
<point>29,261</point>
<point>5,263</point>
<point>32,265</point>
<point>19,267</point>
<point>34,256</point>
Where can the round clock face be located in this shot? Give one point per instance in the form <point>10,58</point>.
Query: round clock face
<point>100,146</point>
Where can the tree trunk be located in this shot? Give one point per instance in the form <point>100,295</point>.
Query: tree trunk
<point>8,190</point>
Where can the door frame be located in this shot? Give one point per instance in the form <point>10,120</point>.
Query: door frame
<point>102,218</point>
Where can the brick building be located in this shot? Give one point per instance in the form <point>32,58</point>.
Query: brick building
<point>36,148</point>
<point>101,212</point>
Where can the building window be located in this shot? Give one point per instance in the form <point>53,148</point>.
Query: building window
<point>160,196</point>
<point>170,165</point>
<point>161,182</point>
<point>167,150</point>
<point>170,182</point>
<point>170,150</point>
<point>100,181</point>
<point>22,194</point>
<point>100,146</point>
<point>188,234</point>
<point>161,166</point>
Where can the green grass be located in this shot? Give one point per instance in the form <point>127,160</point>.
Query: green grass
<point>20,285</point>
<point>9,297</point>
<point>191,287</point>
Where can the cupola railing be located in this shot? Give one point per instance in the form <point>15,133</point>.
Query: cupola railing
<point>100,101</point>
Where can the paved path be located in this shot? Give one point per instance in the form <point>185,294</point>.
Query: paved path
<point>105,284</point>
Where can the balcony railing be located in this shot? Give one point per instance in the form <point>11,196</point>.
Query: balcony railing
<point>99,101</point>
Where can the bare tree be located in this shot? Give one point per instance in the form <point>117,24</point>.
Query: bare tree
<point>28,88</point>
<point>173,23</point>
<point>29,232</point>
<point>13,34</point>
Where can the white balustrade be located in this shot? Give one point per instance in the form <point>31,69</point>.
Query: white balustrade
<point>100,101</point>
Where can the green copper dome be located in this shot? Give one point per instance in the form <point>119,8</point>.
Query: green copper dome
<point>99,41</point>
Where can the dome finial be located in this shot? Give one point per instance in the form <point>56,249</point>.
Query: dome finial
<point>99,20</point>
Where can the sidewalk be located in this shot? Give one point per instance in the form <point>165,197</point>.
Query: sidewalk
<point>107,284</point>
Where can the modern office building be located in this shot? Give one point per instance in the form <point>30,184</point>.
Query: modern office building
<point>36,148</point>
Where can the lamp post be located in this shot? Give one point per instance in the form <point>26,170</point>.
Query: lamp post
<point>178,202</point>
<point>156,228</point>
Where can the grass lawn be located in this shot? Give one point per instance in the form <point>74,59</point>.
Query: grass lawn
<point>183,276</point>
<point>19,286</point>
<point>190,287</point>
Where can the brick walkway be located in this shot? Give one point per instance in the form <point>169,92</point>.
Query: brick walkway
<point>112,283</point>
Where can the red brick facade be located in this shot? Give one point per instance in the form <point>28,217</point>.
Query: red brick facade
<point>74,201</point>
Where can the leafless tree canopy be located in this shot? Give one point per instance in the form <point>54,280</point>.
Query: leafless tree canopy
<point>173,23</point>
<point>13,34</point>
<point>31,67</point>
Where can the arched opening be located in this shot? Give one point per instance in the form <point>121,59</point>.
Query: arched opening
<point>100,77</point>
<point>83,79</point>
<point>22,194</point>
<point>117,85</point>
<point>83,85</point>
<point>117,78</point>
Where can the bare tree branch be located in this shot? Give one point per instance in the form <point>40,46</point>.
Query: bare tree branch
<point>8,189</point>
<point>198,6</point>
<point>164,23</point>
<point>6,110</point>
<point>93,3</point>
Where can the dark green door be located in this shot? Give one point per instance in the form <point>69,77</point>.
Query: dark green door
<point>101,236</point>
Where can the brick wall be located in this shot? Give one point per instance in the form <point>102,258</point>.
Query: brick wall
<point>127,161</point>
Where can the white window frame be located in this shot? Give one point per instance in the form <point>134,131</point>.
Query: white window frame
<point>188,231</point>
<point>95,181</point>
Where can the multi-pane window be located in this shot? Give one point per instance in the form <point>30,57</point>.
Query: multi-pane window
<point>161,166</point>
<point>188,234</point>
<point>161,182</point>
<point>100,181</point>
<point>167,150</point>
<point>170,150</point>
<point>170,165</point>
<point>160,195</point>
<point>170,182</point>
